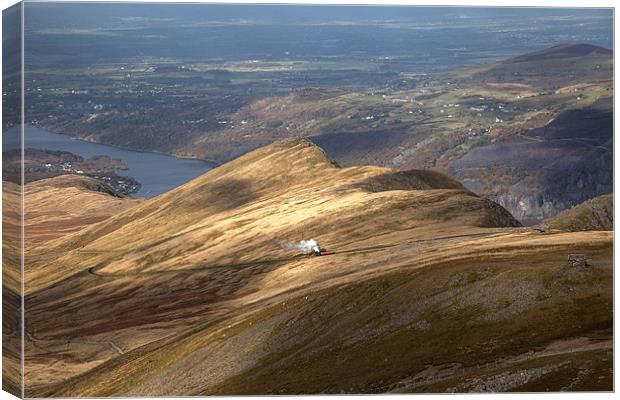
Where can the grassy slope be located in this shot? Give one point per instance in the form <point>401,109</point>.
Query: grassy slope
<point>483,314</point>
<point>285,191</point>
<point>11,219</point>
<point>54,207</point>
<point>595,214</point>
<point>11,286</point>
<point>194,290</point>
<point>58,206</point>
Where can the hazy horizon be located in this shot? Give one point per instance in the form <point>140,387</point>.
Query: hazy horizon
<point>219,31</point>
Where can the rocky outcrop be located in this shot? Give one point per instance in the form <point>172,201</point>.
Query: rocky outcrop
<point>577,260</point>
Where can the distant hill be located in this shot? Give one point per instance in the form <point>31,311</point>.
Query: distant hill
<point>596,214</point>
<point>559,156</point>
<point>562,51</point>
<point>551,68</point>
<point>76,182</point>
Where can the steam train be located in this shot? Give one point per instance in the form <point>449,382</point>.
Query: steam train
<point>322,252</point>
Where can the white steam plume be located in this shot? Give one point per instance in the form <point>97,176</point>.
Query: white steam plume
<point>305,246</point>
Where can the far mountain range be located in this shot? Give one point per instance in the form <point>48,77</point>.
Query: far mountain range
<point>533,132</point>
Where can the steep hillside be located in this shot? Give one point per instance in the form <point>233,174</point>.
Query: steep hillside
<point>284,191</point>
<point>193,293</point>
<point>11,287</point>
<point>11,234</point>
<point>592,215</point>
<point>552,168</point>
<point>54,207</point>
<point>58,206</point>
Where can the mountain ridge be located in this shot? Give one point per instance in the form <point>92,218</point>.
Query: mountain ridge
<point>201,214</point>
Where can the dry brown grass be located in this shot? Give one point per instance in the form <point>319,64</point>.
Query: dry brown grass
<point>195,291</point>
<point>594,214</point>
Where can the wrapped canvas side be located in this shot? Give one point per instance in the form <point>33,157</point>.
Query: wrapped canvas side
<point>12,202</point>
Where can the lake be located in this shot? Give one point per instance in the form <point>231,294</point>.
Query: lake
<point>158,173</point>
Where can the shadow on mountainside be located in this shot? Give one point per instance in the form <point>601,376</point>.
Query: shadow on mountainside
<point>222,195</point>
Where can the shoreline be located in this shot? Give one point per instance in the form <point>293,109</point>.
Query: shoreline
<point>156,172</point>
<point>211,163</point>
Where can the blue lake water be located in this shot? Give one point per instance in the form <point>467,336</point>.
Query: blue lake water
<point>158,173</point>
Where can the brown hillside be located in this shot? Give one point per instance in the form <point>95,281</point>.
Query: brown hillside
<point>190,292</point>
<point>592,215</point>
<point>64,204</point>
<point>289,190</point>
<point>55,207</point>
